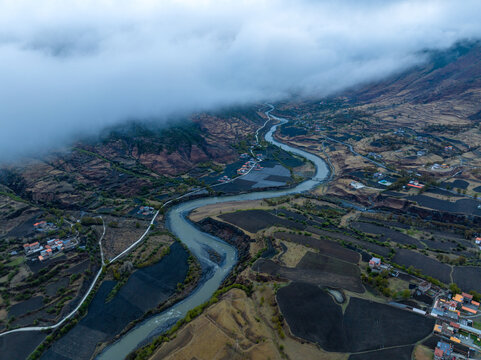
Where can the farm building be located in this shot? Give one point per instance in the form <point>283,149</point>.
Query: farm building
<point>424,286</point>
<point>415,184</point>
<point>375,263</point>
<point>31,248</point>
<point>357,185</point>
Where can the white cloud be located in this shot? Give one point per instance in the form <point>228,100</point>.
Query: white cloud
<point>69,68</point>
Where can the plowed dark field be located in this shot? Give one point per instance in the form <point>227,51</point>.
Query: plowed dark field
<point>468,278</point>
<point>401,353</point>
<point>313,315</point>
<point>316,269</point>
<point>387,234</point>
<point>427,265</point>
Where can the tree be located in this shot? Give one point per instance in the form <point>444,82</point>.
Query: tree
<point>454,288</point>
<point>406,294</point>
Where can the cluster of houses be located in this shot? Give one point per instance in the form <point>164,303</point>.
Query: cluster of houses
<point>224,178</point>
<point>453,321</point>
<point>145,210</point>
<point>375,155</point>
<point>44,226</point>
<point>443,351</point>
<point>440,166</point>
<point>454,307</point>
<point>250,164</point>
<point>51,247</point>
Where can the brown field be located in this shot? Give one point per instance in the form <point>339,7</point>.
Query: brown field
<point>119,238</point>
<point>293,254</point>
<point>326,247</point>
<point>238,327</point>
<point>422,352</point>
<point>223,208</point>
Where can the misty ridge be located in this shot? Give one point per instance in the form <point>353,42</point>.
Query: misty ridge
<point>70,71</point>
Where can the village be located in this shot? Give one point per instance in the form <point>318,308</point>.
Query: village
<point>49,249</point>
<point>455,314</point>
<point>251,164</point>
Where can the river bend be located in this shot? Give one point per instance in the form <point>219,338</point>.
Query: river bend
<point>198,242</point>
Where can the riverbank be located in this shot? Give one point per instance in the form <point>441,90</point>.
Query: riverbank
<point>146,289</point>
<point>199,243</point>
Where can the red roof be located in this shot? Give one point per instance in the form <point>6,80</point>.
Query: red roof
<point>416,186</point>
<point>469,310</point>
<point>438,352</point>
<point>467,296</point>
<point>454,325</point>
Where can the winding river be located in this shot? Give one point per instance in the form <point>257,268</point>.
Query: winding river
<point>198,242</point>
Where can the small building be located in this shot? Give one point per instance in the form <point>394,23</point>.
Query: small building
<point>456,326</point>
<point>478,240</point>
<point>384,182</point>
<point>467,298</point>
<point>356,185</point>
<point>40,225</point>
<point>469,310</point>
<point>375,263</point>
<point>415,184</point>
<point>31,248</point>
<point>458,298</point>
<point>424,286</point>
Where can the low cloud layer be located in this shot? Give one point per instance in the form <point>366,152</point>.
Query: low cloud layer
<point>70,68</point>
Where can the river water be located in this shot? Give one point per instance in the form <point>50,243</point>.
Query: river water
<point>197,242</point>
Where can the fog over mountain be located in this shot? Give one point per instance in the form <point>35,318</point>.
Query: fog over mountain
<point>72,68</point>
